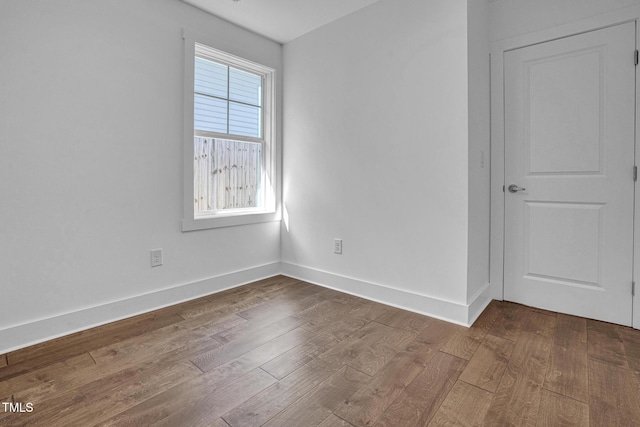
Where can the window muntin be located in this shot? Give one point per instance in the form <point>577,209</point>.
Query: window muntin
<point>227,99</point>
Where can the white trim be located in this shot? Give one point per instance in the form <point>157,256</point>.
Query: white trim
<point>496,267</point>
<point>37,331</point>
<point>229,220</point>
<point>450,311</point>
<point>227,136</point>
<point>206,51</point>
<point>498,48</point>
<point>588,24</point>
<point>479,302</point>
<point>635,316</point>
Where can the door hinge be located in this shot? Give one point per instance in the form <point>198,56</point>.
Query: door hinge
<point>635,55</point>
<point>633,289</point>
<point>635,173</point>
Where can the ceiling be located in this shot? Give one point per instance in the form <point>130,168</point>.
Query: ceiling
<point>280,20</point>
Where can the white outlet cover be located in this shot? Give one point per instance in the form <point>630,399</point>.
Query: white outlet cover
<point>156,257</point>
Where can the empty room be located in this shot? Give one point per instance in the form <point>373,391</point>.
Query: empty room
<point>319,213</point>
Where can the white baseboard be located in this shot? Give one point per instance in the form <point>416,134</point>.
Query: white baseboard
<point>479,302</point>
<point>461,314</point>
<point>26,334</point>
<point>23,335</point>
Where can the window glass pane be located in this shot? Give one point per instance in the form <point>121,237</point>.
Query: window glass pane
<point>245,120</point>
<point>227,174</point>
<point>209,114</point>
<point>210,78</point>
<point>245,87</point>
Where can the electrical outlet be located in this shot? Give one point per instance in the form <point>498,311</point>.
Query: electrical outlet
<point>156,257</point>
<point>337,246</point>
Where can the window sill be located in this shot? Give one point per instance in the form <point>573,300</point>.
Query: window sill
<point>230,220</point>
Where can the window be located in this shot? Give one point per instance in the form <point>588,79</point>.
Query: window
<point>229,147</point>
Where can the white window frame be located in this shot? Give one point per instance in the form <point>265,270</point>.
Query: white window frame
<point>269,211</point>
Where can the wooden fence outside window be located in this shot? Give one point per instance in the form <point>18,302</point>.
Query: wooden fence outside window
<point>227,174</point>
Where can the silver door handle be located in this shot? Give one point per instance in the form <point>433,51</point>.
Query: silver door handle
<point>514,188</point>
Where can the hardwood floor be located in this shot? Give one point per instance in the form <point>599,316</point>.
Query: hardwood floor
<point>281,352</point>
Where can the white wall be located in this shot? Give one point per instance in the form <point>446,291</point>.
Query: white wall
<point>376,149</point>
<point>90,165</point>
<point>509,18</point>
<point>383,119</point>
<point>479,148</point>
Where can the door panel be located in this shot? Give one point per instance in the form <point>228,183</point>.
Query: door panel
<point>574,229</point>
<point>565,135</point>
<point>569,143</point>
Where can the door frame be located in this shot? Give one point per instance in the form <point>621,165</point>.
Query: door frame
<point>498,49</point>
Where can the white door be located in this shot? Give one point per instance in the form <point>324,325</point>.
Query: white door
<point>569,146</point>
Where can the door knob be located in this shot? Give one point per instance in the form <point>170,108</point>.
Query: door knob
<point>514,188</point>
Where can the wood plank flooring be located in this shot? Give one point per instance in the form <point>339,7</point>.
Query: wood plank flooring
<point>281,352</point>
